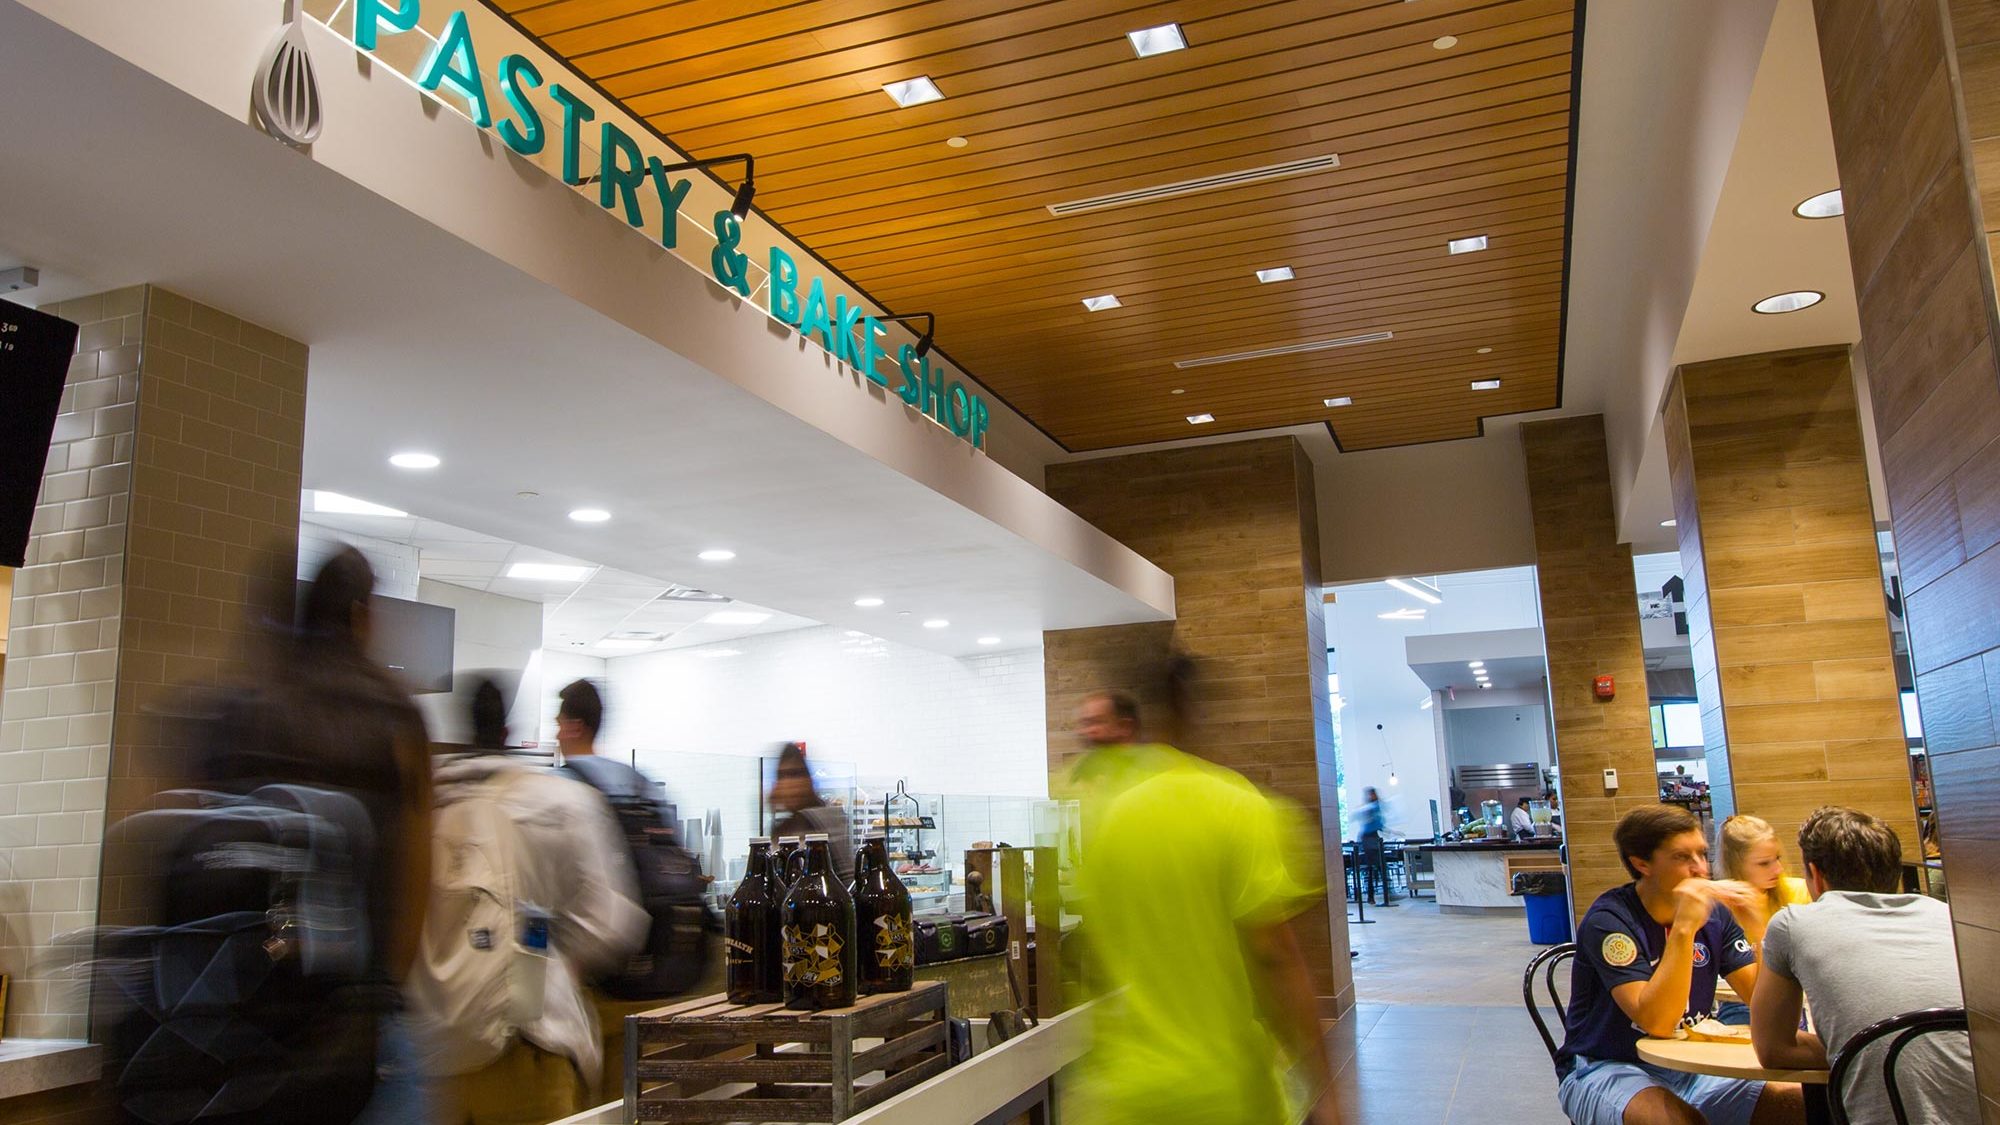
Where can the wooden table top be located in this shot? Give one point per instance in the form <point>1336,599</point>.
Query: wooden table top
<point>1726,1060</point>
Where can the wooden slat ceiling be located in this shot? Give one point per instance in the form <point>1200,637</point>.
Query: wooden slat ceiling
<point>1435,142</point>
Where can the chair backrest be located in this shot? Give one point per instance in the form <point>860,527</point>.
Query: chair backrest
<point>1907,1028</point>
<point>1546,963</point>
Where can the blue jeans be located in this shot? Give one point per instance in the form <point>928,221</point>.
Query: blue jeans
<point>403,1094</point>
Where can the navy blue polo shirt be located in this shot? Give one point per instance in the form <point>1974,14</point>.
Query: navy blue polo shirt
<point>1619,943</point>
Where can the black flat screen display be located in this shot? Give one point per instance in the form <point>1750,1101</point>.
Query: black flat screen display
<point>35,350</point>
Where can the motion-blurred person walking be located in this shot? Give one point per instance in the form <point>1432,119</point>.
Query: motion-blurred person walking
<point>533,894</point>
<point>801,811</point>
<point>1189,881</point>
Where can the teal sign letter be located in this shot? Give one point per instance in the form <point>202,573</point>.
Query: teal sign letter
<point>670,201</point>
<point>370,14</point>
<point>815,319</point>
<point>517,77</point>
<point>618,179</point>
<point>784,287</point>
<point>731,266</point>
<point>872,354</point>
<point>453,63</point>
<point>575,113</point>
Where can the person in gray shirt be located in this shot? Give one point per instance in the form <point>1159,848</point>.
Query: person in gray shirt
<point>1862,952</point>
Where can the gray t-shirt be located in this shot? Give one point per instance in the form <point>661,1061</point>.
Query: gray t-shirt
<point>1862,958</point>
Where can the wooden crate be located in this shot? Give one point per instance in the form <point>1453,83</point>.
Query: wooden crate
<point>710,1060</point>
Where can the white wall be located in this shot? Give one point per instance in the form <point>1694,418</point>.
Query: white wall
<point>1378,687</point>
<point>490,633</point>
<point>1497,735</point>
<point>395,563</point>
<point>556,669</point>
<point>975,725</point>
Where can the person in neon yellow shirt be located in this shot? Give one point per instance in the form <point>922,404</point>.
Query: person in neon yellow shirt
<point>1750,855</point>
<point>1189,880</point>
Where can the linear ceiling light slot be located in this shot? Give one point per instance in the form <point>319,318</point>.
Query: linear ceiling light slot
<point>1217,182</point>
<point>1288,349</point>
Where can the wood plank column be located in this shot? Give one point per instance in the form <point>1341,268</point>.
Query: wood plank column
<point>1590,627</point>
<point>1786,613</point>
<point>1235,525</point>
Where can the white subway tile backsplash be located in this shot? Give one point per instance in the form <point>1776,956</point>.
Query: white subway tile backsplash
<point>60,828</point>
<point>38,797</point>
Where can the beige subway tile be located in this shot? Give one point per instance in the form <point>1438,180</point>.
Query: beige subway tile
<point>39,797</point>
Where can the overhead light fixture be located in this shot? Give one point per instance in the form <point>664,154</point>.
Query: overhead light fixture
<point>1287,349</point>
<point>1466,245</point>
<point>1789,302</point>
<point>1485,351</point>
<point>415,460</point>
<point>717,653</point>
<point>1475,665</point>
<point>1480,676</point>
<point>1408,613</point>
<point>1276,273</point>
<point>630,643</point>
<point>1486,384</point>
<point>336,504</point>
<point>913,91</point>
<point>956,142</point>
<point>1102,301</point>
<point>1220,180</point>
<point>1445,42</point>
<point>868,603</point>
<point>930,329</point>
<point>1825,205</point>
<point>590,515</point>
<point>989,640</point>
<point>1425,705</point>
<point>1487,687</point>
<point>1670,523</point>
<point>1200,419</point>
<point>735,617</point>
<point>1339,400</point>
<point>937,623</point>
<point>1178,391</point>
<point>716,554</point>
<point>1157,40</point>
<point>1418,590</point>
<point>548,572</point>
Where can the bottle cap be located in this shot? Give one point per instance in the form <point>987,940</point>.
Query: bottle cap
<point>755,840</point>
<point>821,837</point>
<point>883,836</point>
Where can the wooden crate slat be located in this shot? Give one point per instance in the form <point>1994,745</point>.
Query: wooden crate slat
<point>895,1007</point>
<point>733,1109</point>
<point>895,1084</point>
<point>932,1035</point>
<point>790,1068</point>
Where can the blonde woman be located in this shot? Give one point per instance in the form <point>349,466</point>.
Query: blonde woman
<point>1750,855</point>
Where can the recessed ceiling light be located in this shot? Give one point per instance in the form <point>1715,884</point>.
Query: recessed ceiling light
<point>627,644</point>
<point>1445,42</point>
<point>1466,245</point>
<point>590,515</point>
<point>716,554</point>
<point>1486,384</point>
<point>956,142</point>
<point>1339,400</point>
<point>415,460</point>
<point>1200,419</point>
<point>334,503</point>
<point>735,617</point>
<point>526,494</point>
<point>1178,391</point>
<point>1486,351</point>
<point>1486,685</point>
<point>1825,205</point>
<point>717,653</point>
<point>1157,40</point>
<point>1475,665</point>
<point>1408,613</point>
<point>913,91</point>
<point>868,603</point>
<point>989,640</point>
<point>937,623</point>
<point>1276,273</point>
<point>1670,523</point>
<point>548,572</point>
<point>1421,591</point>
<point>1789,302</point>
<point>1102,302</point>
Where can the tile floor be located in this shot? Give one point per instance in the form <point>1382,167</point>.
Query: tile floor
<point>1439,1035</point>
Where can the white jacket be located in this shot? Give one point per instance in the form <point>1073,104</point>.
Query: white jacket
<point>570,859</point>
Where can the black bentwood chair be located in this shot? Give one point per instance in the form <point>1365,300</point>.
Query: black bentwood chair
<point>1547,962</point>
<point>1912,1026</point>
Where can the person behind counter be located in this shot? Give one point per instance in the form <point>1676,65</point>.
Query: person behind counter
<point>1521,822</point>
<point>800,811</point>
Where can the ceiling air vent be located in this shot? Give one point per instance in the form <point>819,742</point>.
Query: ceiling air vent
<point>1288,349</point>
<point>1217,182</point>
<point>678,593</point>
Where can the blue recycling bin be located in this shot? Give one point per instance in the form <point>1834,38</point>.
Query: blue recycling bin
<point>1546,895</point>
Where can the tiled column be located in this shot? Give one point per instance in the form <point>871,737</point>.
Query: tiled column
<point>1787,620</point>
<point>1235,525</point>
<point>172,481</point>
<point>1923,206</point>
<point>1590,627</point>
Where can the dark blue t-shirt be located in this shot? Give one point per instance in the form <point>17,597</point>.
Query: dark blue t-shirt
<point>1617,943</point>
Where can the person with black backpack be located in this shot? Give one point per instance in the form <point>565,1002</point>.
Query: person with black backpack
<point>676,954</point>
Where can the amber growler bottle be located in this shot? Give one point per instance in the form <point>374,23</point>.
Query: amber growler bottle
<point>819,935</point>
<point>780,864</point>
<point>882,923</point>
<point>751,934</point>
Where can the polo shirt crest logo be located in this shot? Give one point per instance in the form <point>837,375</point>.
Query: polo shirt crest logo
<point>1620,950</point>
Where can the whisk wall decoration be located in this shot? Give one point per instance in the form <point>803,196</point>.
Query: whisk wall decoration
<point>286,96</point>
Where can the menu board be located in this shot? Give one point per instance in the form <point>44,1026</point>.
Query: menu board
<point>35,350</point>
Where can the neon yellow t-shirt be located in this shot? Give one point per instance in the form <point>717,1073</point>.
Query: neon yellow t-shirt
<point>1179,858</point>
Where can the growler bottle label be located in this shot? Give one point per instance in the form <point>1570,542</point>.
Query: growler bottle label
<point>895,942</point>
<point>813,955</point>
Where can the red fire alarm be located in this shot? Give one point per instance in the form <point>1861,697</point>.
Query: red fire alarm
<point>1604,686</point>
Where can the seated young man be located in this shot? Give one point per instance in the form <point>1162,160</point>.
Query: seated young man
<point>1648,954</point>
<point>1863,952</point>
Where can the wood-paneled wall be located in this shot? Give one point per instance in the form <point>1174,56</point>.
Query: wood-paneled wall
<point>1590,625</point>
<point>1786,614</point>
<point>1922,263</point>
<point>1234,524</point>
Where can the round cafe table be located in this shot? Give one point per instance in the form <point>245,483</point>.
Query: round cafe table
<point>1725,1060</point>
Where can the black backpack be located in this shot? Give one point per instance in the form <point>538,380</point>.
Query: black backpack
<point>671,886</point>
